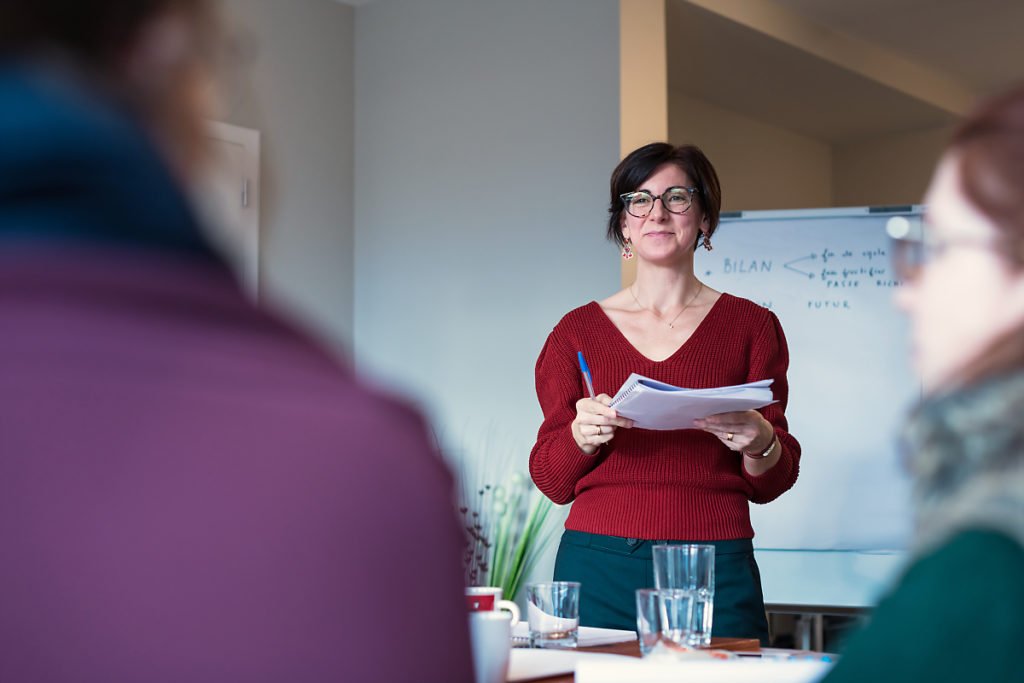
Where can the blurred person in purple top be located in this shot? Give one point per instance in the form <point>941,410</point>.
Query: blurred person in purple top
<point>190,490</point>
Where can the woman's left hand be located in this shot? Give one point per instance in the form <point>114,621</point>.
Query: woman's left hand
<point>745,430</point>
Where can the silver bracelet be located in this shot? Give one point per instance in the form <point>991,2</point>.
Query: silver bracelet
<point>766,452</point>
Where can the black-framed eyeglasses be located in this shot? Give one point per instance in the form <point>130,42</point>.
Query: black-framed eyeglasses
<point>639,204</point>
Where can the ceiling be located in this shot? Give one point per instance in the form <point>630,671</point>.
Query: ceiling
<point>975,41</point>
<point>738,66</point>
<point>971,45</point>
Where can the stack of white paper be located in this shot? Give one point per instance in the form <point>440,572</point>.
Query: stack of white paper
<point>655,405</point>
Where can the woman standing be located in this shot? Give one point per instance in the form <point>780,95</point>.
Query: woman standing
<point>631,487</point>
<point>958,611</point>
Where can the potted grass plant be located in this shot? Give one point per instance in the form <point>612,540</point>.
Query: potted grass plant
<point>507,529</point>
<point>508,523</point>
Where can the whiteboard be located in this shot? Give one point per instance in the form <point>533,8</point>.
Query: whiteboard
<point>826,275</point>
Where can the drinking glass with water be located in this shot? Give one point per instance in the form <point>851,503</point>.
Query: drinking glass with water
<point>689,567</point>
<point>664,619</point>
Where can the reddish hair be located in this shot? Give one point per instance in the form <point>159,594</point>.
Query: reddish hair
<point>989,148</point>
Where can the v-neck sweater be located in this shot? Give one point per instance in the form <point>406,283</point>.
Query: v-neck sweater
<point>673,485</point>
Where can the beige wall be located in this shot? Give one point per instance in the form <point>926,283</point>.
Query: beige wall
<point>891,170</point>
<point>293,81</point>
<point>760,166</point>
<point>643,103</point>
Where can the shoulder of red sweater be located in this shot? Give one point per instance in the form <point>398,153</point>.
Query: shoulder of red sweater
<point>583,315</point>
<point>745,307</point>
<point>577,325</point>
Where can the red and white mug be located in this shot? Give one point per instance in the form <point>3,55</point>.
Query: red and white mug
<point>488,599</point>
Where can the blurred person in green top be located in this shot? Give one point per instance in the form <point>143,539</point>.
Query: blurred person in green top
<point>957,613</point>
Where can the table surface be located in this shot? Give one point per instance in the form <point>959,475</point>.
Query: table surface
<point>632,649</point>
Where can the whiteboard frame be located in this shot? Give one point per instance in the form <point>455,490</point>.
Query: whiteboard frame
<point>840,212</point>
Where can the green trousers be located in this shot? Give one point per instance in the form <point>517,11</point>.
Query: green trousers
<point>611,568</point>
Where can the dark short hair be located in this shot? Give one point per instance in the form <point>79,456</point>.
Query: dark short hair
<point>93,32</point>
<point>640,164</point>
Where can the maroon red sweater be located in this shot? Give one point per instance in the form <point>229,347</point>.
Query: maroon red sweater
<point>679,485</point>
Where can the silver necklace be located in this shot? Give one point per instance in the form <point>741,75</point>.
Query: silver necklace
<point>671,323</point>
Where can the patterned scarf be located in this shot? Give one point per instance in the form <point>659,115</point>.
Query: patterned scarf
<point>966,454</point>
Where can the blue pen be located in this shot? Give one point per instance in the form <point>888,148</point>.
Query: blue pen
<point>586,374</point>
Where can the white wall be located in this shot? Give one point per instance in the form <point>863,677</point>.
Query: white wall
<point>486,132</point>
<point>760,166</point>
<point>291,77</point>
<point>890,170</point>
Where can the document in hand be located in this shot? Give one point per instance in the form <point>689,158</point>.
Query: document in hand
<point>655,405</point>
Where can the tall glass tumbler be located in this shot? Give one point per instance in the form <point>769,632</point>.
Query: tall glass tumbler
<point>689,567</point>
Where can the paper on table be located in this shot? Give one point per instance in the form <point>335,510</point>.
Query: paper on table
<point>589,636</point>
<point>528,665</point>
<point>655,405</point>
<point>672,671</point>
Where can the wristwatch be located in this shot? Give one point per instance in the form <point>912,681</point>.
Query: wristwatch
<point>766,452</point>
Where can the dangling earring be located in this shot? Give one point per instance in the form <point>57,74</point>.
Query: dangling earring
<point>627,252</point>
<point>707,242</point>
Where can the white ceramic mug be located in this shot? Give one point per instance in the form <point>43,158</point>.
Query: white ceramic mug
<point>488,599</point>
<point>490,636</point>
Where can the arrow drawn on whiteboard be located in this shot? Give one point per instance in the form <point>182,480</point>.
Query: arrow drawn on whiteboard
<point>788,265</point>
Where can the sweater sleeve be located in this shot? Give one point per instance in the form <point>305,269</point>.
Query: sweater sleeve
<point>769,359</point>
<point>556,461</point>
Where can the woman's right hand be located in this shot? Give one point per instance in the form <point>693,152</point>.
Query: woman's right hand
<point>595,423</point>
